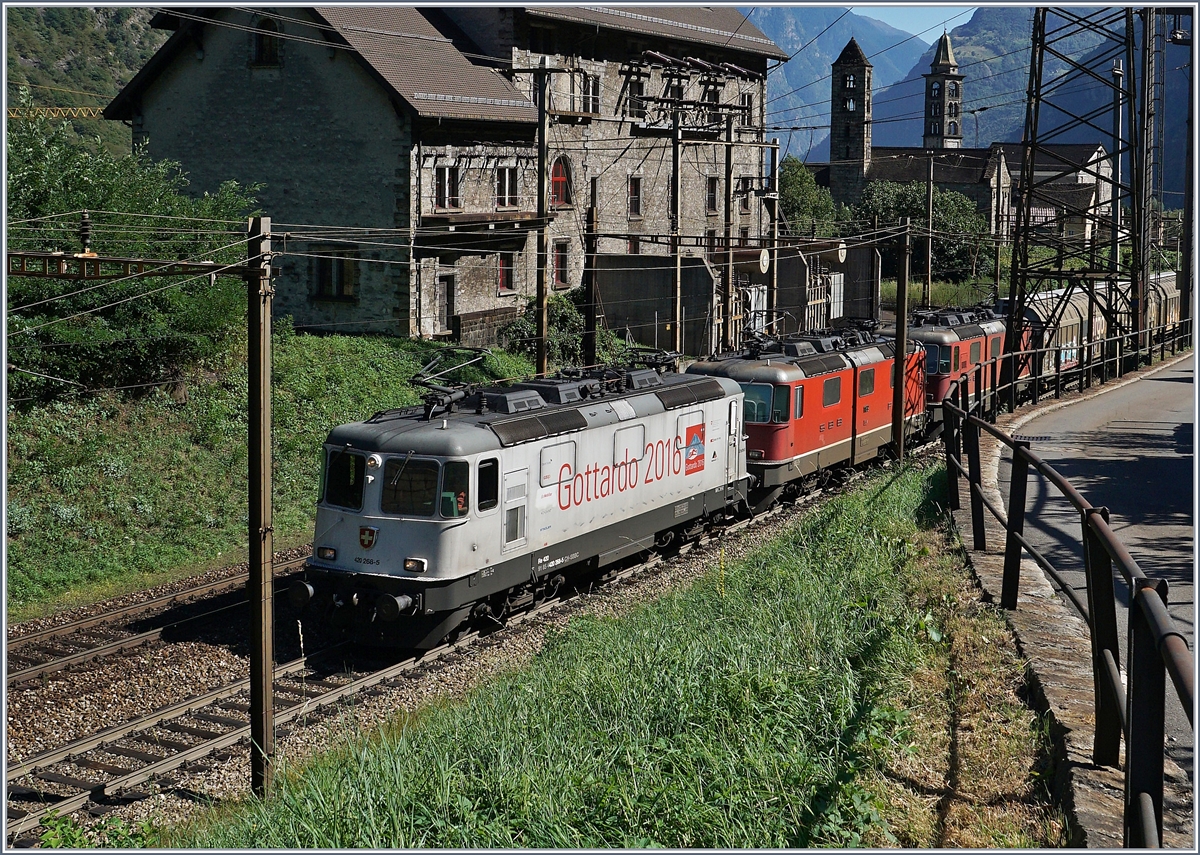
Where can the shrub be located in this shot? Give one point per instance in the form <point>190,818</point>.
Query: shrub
<point>118,332</point>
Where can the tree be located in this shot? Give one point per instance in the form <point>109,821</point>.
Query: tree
<point>122,333</point>
<point>802,203</point>
<point>564,344</point>
<point>960,233</point>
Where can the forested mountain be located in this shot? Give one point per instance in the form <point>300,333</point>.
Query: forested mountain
<point>798,93</point>
<point>76,57</point>
<point>992,50</point>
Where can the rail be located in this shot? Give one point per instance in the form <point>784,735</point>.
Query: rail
<point>1156,647</point>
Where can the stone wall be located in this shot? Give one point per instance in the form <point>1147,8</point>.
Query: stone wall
<point>320,136</point>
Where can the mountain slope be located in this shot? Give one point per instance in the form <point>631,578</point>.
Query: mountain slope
<point>993,52</point>
<point>69,57</point>
<point>798,93</point>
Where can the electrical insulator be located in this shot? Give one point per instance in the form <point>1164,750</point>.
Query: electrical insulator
<point>85,232</point>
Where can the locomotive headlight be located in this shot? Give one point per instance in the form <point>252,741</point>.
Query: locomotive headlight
<point>374,461</point>
<point>414,565</point>
<point>754,454</point>
<point>326,553</point>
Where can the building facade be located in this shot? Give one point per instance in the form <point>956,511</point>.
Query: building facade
<point>397,146</point>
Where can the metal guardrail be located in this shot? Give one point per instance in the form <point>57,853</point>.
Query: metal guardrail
<point>1156,646</point>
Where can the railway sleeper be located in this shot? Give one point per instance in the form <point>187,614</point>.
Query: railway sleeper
<point>132,753</point>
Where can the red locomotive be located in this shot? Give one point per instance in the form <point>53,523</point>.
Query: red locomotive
<point>815,401</point>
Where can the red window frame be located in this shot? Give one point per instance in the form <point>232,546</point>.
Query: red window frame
<point>560,183</point>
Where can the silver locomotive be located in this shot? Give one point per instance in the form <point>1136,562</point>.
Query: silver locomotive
<point>485,500</point>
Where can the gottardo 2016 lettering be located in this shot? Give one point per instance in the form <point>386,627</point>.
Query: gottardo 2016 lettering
<point>662,459</point>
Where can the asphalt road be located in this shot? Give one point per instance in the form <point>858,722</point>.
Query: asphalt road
<point>1129,450</point>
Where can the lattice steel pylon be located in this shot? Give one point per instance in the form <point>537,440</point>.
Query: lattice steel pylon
<point>1082,83</point>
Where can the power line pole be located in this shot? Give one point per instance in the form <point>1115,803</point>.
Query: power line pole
<point>1189,211</point>
<point>928,289</point>
<point>589,276</point>
<point>772,199</point>
<point>676,144</point>
<point>898,366</point>
<point>260,585</point>
<point>727,334</point>
<point>543,88</point>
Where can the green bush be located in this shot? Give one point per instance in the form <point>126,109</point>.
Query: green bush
<point>118,332</point>
<point>565,324</point>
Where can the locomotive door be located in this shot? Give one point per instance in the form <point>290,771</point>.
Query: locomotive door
<point>516,496</point>
<point>733,439</point>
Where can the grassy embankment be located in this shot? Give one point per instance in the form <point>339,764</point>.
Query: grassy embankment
<point>941,293</point>
<point>841,686</point>
<point>108,495</point>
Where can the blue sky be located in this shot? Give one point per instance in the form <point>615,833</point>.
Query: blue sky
<point>913,19</point>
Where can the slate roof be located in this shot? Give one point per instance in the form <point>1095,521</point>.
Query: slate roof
<point>951,166</point>
<point>943,59</point>
<point>1076,155</point>
<point>399,46</point>
<point>424,68</point>
<point>717,26</point>
<point>852,55</point>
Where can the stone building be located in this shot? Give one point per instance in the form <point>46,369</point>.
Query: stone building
<point>624,73</point>
<point>397,146</point>
<point>1078,176</point>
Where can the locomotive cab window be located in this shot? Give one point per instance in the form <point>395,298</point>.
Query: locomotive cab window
<point>975,348</point>
<point>866,382</point>
<point>757,403</point>
<point>799,411</point>
<point>780,407</point>
<point>995,347</point>
<point>344,479</point>
<point>956,350</point>
<point>931,359</point>
<point>489,484</point>
<point>409,487</point>
<point>456,487</point>
<point>832,391</point>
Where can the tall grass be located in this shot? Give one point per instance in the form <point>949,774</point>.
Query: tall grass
<point>106,493</point>
<point>734,713</point>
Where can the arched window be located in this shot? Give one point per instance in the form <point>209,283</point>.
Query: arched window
<point>934,130</point>
<point>952,109</point>
<point>266,43</point>
<point>560,182</point>
<point>935,89</point>
<point>954,129</point>
<point>848,104</point>
<point>849,81</point>
<point>935,109</point>
<point>952,90</point>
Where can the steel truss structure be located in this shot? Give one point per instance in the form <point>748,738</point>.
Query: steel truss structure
<point>1097,242</point>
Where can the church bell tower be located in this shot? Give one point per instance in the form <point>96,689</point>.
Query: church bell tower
<point>849,124</point>
<point>943,99</point>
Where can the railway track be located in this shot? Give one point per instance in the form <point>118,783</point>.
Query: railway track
<point>55,648</point>
<point>105,769</point>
